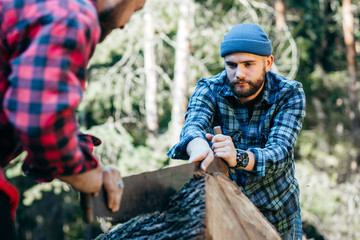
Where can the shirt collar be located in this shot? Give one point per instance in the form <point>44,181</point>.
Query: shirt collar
<point>269,81</point>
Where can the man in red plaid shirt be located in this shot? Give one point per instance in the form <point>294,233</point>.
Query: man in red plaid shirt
<point>45,46</point>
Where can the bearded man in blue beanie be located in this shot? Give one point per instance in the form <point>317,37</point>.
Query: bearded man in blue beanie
<point>261,114</point>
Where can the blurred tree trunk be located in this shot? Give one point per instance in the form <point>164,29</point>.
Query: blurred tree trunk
<point>180,87</point>
<point>348,28</point>
<point>151,83</point>
<point>280,15</point>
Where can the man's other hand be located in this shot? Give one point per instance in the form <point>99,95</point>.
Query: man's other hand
<point>223,148</point>
<point>199,150</point>
<point>114,191</point>
<point>92,181</point>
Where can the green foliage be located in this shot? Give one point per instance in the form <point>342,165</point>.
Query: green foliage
<point>115,141</point>
<point>310,50</point>
<point>36,192</point>
<point>314,147</point>
<point>118,150</point>
<point>317,28</point>
<point>332,208</point>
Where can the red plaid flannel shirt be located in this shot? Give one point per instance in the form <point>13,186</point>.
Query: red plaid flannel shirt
<point>45,47</point>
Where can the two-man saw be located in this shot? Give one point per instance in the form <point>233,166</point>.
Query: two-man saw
<point>147,192</point>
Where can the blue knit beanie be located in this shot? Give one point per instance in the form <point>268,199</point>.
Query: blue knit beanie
<point>246,37</point>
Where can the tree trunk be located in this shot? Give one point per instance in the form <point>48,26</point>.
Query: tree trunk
<point>280,15</point>
<point>208,207</point>
<point>180,87</point>
<point>348,28</point>
<point>151,83</point>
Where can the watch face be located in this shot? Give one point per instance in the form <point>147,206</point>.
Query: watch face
<point>245,157</point>
<point>242,160</point>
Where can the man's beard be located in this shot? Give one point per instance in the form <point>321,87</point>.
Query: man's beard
<point>254,86</point>
<point>108,19</point>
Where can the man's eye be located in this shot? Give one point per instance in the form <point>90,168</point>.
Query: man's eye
<point>231,65</point>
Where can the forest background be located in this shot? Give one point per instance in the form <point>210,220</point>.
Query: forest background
<point>141,78</point>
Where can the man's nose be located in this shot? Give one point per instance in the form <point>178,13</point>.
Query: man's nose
<point>240,72</point>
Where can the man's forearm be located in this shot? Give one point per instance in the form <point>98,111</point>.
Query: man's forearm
<point>88,182</point>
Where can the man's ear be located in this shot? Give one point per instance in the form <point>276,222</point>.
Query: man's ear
<point>269,61</point>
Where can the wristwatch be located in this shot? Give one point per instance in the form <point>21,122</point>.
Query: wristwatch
<point>242,159</point>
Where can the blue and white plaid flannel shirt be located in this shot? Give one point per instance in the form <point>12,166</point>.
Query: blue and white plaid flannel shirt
<point>270,134</point>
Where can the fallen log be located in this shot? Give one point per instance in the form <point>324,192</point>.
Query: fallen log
<point>209,206</point>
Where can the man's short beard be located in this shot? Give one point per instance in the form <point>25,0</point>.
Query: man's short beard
<point>254,86</point>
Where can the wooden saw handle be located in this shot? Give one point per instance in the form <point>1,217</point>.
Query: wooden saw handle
<point>220,162</point>
<point>217,130</point>
<point>86,203</point>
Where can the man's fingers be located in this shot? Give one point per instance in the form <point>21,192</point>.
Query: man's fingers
<point>217,145</point>
<point>209,136</point>
<point>113,187</point>
<point>224,148</point>
<point>222,153</point>
<point>221,138</point>
<point>206,162</point>
<point>114,201</point>
<point>223,143</point>
<point>197,157</point>
<point>206,158</point>
<point>114,195</point>
<point>118,195</point>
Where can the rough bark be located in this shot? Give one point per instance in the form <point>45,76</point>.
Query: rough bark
<point>207,207</point>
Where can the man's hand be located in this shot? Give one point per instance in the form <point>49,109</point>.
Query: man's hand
<point>114,192</point>
<point>223,147</point>
<point>199,150</point>
<point>92,181</point>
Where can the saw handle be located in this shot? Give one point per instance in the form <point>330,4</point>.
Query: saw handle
<point>86,203</point>
<point>217,130</point>
<point>222,164</point>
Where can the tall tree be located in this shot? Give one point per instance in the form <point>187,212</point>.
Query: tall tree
<point>181,80</point>
<point>150,73</point>
<point>280,14</point>
<point>348,29</point>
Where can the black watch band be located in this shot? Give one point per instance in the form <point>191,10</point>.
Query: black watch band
<point>242,159</point>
